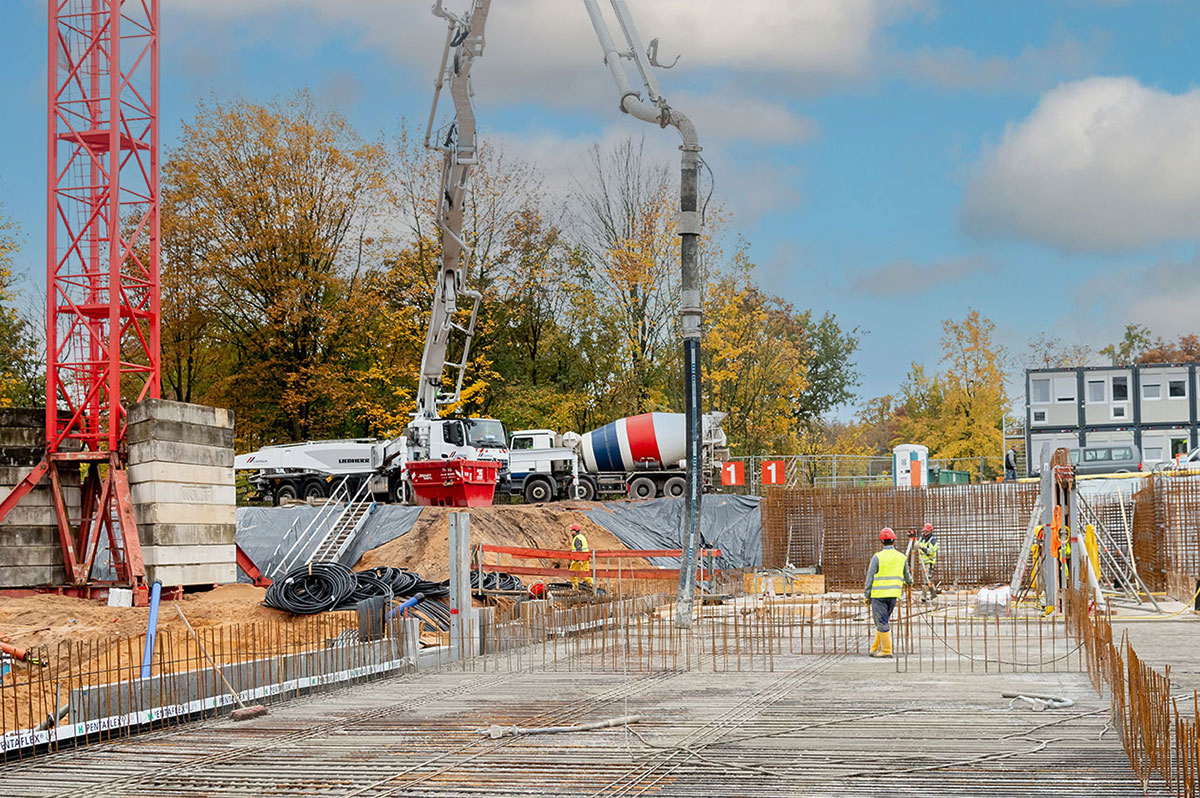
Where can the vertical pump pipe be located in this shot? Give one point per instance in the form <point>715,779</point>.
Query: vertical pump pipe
<point>654,108</point>
<point>151,628</point>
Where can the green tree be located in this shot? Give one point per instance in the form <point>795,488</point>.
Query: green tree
<point>1132,345</point>
<point>22,380</point>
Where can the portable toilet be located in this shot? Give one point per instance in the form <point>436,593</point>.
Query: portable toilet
<point>910,465</point>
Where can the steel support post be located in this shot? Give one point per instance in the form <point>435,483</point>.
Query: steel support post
<point>689,230</point>
<point>460,585</point>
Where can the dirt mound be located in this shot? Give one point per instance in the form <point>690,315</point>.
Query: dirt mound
<point>538,526</point>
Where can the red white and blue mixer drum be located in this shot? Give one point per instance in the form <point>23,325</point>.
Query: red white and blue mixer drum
<point>651,439</point>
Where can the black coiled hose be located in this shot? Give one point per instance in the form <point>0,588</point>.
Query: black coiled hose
<point>368,585</point>
<point>493,580</point>
<point>403,582</point>
<point>313,588</point>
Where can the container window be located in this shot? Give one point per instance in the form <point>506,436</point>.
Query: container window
<point>1152,390</point>
<point>1039,416</point>
<point>1118,411</point>
<point>1039,391</point>
<point>1177,389</point>
<point>1096,392</point>
<point>1120,389</point>
<point>1064,389</point>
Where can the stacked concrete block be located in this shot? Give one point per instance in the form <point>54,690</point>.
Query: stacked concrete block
<point>30,552</point>
<point>181,481</point>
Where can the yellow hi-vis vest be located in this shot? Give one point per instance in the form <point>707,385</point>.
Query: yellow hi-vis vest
<point>889,578</point>
<point>579,542</point>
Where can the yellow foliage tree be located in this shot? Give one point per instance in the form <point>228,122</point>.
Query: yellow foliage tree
<point>958,413</point>
<point>755,361</point>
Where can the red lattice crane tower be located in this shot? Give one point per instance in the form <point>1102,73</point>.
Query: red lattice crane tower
<point>102,267</point>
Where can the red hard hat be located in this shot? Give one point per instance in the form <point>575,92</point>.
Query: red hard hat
<point>575,527</point>
<point>886,534</point>
<point>537,589</point>
<point>927,528</point>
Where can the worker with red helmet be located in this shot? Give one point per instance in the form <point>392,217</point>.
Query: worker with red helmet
<point>886,577</point>
<point>579,543</point>
<point>927,553</point>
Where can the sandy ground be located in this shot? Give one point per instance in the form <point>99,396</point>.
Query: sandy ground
<point>536,526</point>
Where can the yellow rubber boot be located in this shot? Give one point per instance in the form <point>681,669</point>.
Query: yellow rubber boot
<point>886,649</point>
<point>875,643</point>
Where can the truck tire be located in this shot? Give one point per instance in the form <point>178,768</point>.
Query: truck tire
<point>396,494</point>
<point>642,488</point>
<point>284,491</point>
<point>676,487</point>
<point>315,489</point>
<point>538,491</point>
<point>586,491</point>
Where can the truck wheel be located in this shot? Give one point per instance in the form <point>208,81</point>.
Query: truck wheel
<point>314,489</point>
<point>396,491</point>
<point>586,491</point>
<point>538,491</point>
<point>643,488</point>
<point>284,491</point>
<point>675,487</point>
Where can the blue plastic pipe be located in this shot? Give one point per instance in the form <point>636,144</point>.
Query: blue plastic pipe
<point>151,628</point>
<point>412,602</point>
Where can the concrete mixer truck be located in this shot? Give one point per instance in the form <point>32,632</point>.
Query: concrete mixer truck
<point>639,456</point>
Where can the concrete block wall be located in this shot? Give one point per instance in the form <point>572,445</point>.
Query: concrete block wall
<point>181,481</point>
<point>30,553</point>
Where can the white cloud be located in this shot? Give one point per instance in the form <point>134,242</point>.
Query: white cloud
<point>1101,164</point>
<point>908,278</point>
<point>746,187</point>
<point>1163,296</point>
<point>729,117</point>
<point>536,45</point>
<point>1033,68</point>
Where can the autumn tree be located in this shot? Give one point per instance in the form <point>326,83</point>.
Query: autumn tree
<point>627,228</point>
<point>271,203</point>
<point>21,373</point>
<point>1184,350</point>
<point>774,369</point>
<point>1048,351</point>
<point>754,361</point>
<point>958,413</point>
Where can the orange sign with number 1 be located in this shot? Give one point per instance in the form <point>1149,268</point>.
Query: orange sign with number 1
<point>774,472</point>
<point>733,473</point>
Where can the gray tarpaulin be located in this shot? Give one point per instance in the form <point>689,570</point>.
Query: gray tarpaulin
<point>273,536</point>
<point>268,534</point>
<point>729,523</point>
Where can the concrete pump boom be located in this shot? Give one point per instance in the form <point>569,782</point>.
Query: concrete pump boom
<point>459,147</point>
<point>653,108</point>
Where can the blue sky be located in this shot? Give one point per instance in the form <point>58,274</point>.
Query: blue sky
<point>892,161</point>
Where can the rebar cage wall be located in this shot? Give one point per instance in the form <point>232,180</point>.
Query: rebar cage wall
<point>979,527</point>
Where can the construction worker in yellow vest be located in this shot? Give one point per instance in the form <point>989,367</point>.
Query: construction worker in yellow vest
<point>927,553</point>
<point>887,575</point>
<point>579,543</point>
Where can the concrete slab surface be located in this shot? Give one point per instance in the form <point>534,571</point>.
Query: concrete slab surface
<point>819,725</point>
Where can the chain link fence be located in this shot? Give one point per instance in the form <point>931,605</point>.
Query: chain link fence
<point>754,472</point>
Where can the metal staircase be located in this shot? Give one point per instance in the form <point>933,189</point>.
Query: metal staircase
<point>345,527</point>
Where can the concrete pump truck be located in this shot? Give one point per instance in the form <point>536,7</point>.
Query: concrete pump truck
<point>308,470</point>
